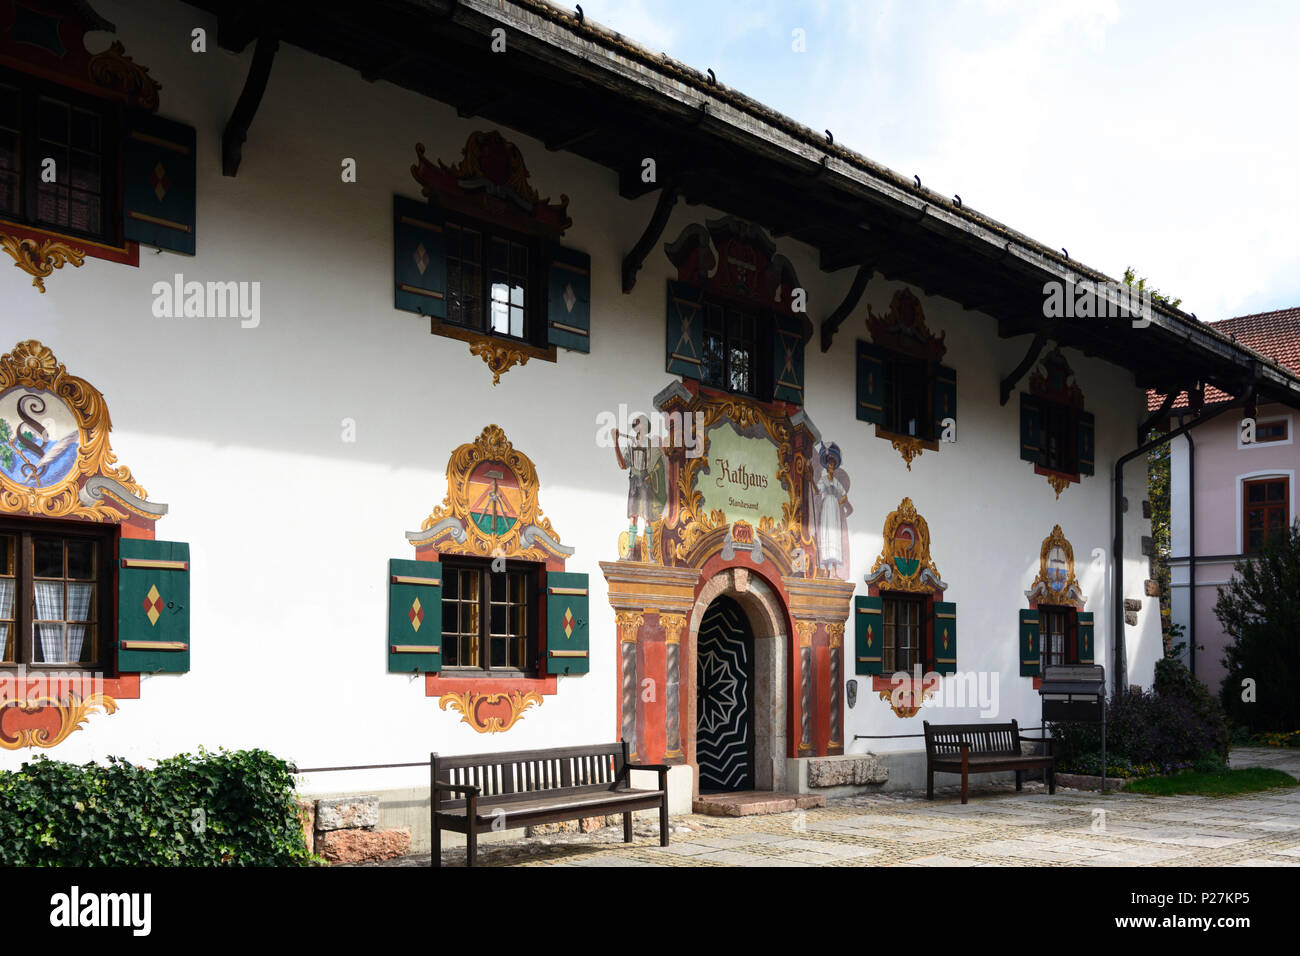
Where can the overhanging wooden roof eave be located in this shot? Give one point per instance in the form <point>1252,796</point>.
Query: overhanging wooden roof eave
<point>582,58</point>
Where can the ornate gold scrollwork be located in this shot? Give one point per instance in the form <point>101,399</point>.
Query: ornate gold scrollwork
<point>114,70</point>
<point>805,631</point>
<point>905,558</point>
<point>696,524</point>
<point>499,358</point>
<point>467,705</point>
<point>629,625</point>
<point>492,445</point>
<point>40,259</point>
<point>908,447</point>
<point>1058,482</point>
<point>73,711</point>
<point>673,624</point>
<point>835,631</point>
<point>33,365</point>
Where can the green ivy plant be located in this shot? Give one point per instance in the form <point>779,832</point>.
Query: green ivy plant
<point>214,809</point>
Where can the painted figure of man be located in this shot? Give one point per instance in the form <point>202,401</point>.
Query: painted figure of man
<point>830,511</point>
<point>639,461</point>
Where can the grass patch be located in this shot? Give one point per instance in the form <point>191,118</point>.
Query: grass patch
<point>1226,783</point>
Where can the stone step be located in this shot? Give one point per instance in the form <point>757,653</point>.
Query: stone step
<point>747,803</point>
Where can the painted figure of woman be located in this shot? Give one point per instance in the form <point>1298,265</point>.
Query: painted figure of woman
<point>831,508</point>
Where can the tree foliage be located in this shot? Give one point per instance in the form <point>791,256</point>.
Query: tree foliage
<point>1260,612</point>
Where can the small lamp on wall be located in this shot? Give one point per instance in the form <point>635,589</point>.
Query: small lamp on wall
<point>852,688</point>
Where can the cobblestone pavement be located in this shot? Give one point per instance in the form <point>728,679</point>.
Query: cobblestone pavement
<point>998,827</point>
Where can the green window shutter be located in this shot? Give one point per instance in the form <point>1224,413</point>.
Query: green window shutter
<point>158,182</point>
<point>685,330</point>
<point>945,397</point>
<point>1031,426</point>
<point>1086,436</point>
<point>419,258</point>
<point>871,383</point>
<point>567,631</point>
<point>568,304</point>
<point>945,637</point>
<point>1083,622</point>
<point>153,607</point>
<point>1030,652</point>
<point>869,635</point>
<point>787,360</point>
<point>414,616</point>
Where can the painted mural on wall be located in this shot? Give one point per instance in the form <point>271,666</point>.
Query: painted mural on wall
<point>55,457</point>
<point>1056,583</point>
<point>712,474</point>
<point>492,509</point>
<point>831,509</point>
<point>56,462</point>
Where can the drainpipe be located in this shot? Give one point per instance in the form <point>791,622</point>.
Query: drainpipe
<point>1120,668</point>
<point>1191,550</point>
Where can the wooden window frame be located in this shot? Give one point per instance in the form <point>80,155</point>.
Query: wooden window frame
<point>535,297</point>
<point>891,425</point>
<point>1070,652</point>
<point>761,354</point>
<point>534,639</point>
<point>106,536</point>
<point>1069,415</point>
<point>31,89</point>
<point>924,639</point>
<point>1284,505</point>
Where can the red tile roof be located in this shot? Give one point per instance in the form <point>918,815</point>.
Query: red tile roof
<point>1274,335</point>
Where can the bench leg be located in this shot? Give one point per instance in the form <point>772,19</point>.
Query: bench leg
<point>627,828</point>
<point>663,821</point>
<point>471,845</point>
<point>965,770</point>
<point>929,785</point>
<point>1051,781</point>
<point>435,854</point>
<point>1020,779</point>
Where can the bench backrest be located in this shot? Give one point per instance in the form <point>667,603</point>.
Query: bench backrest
<point>529,774</point>
<point>944,740</point>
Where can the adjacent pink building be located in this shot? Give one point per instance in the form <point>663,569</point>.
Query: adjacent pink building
<point>1227,493</point>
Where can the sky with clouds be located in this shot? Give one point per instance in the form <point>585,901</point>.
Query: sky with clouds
<point>1162,135</point>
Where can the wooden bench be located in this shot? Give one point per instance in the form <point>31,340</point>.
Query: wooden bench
<point>982,748</point>
<point>475,793</point>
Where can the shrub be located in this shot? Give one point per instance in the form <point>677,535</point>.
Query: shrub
<point>1147,732</point>
<point>232,808</point>
<point>1260,611</point>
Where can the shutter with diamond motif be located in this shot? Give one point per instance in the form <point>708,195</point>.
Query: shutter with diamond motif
<point>158,182</point>
<point>153,607</point>
<point>945,637</point>
<point>419,258</point>
<point>869,635</point>
<point>568,299</point>
<point>1084,627</point>
<point>567,633</point>
<point>870,383</point>
<point>1030,651</point>
<point>414,616</point>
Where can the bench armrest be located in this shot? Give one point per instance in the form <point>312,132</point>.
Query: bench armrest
<point>661,767</point>
<point>457,788</point>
